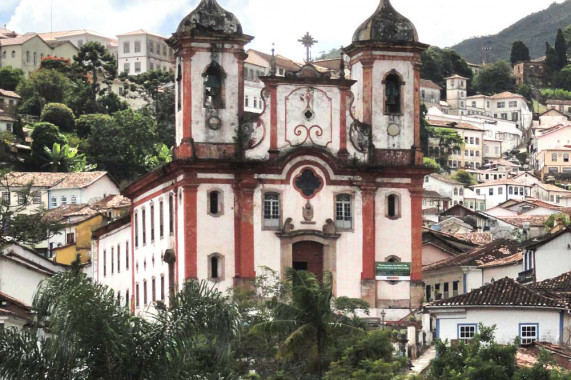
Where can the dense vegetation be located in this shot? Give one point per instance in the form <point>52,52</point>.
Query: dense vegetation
<point>533,30</point>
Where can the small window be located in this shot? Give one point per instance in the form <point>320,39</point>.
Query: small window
<point>171,214</point>
<point>161,220</point>
<point>462,191</point>
<point>393,206</point>
<point>63,200</point>
<point>500,190</point>
<point>28,56</point>
<point>566,157</point>
<point>510,190</point>
<point>528,333</point>
<point>137,67</point>
<point>104,263</point>
<point>73,199</point>
<point>153,290</point>
<point>215,207</point>
<point>466,332</point>
<point>118,258</point>
<point>136,230</point>
<point>491,191</point>
<point>392,94</point>
<point>162,288</point>
<point>54,202</point>
<point>214,87</point>
<point>36,197</point>
<point>137,46</point>
<point>216,267</point>
<point>145,293</point>
<point>126,47</point>
<point>137,296</point>
<point>127,298</point>
<point>271,210</point>
<point>455,191</point>
<point>343,212</point>
<point>127,255</point>
<point>554,157</point>
<point>152,223</point>
<point>144,226</point>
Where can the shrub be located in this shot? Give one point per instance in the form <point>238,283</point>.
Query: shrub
<point>60,115</point>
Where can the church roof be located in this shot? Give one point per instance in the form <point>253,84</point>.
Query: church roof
<point>210,18</point>
<point>388,26</point>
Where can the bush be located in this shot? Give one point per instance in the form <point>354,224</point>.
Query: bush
<point>464,177</point>
<point>44,135</point>
<point>432,164</point>
<point>60,115</point>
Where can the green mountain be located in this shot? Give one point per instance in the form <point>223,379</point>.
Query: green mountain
<point>534,30</point>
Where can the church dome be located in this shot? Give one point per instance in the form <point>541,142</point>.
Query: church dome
<point>388,26</point>
<point>209,18</point>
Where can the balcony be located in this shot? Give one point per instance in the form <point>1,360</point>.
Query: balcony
<point>526,276</point>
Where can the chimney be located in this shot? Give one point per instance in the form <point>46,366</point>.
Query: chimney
<point>558,226</point>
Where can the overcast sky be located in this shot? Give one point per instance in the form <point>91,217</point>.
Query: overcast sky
<point>332,22</point>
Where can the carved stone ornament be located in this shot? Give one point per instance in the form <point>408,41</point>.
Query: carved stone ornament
<point>214,123</point>
<point>393,130</point>
<point>308,212</point>
<point>388,26</point>
<point>360,135</point>
<point>209,17</point>
<point>308,183</point>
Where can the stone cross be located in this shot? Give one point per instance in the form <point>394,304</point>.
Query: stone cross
<point>308,41</point>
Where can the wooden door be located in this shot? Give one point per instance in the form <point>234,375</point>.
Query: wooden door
<point>308,255</point>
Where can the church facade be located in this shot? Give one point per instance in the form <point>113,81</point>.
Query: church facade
<point>328,178</point>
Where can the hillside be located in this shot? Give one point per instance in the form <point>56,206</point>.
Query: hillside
<point>533,30</point>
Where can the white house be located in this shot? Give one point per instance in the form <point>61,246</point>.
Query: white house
<point>547,256</point>
<point>515,310</point>
<point>555,137</point>
<point>430,93</point>
<point>456,93</point>
<point>445,186</point>
<point>79,37</point>
<point>77,188</point>
<point>551,193</point>
<point>141,51</point>
<point>505,106</point>
<point>497,192</point>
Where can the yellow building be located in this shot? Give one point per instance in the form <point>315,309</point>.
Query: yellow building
<point>471,154</point>
<point>551,162</point>
<point>78,241</point>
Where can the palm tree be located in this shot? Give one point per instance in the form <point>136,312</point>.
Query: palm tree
<point>308,320</point>
<point>66,159</point>
<point>91,336</point>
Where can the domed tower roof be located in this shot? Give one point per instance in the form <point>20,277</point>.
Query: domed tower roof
<point>386,25</point>
<point>208,19</point>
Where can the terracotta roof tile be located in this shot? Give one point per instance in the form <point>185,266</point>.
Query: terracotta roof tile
<point>79,180</point>
<point>448,124</point>
<point>38,179</point>
<point>506,95</point>
<point>456,76</point>
<point>429,84</point>
<point>9,94</point>
<point>550,187</point>
<point>433,195</point>
<point>518,257</point>
<point>559,102</point>
<point>112,201</point>
<point>560,283</point>
<point>504,292</point>
<point>533,220</point>
<point>442,178</point>
<point>479,238</point>
<point>498,249</point>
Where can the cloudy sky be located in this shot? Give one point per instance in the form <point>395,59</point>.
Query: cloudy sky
<point>332,22</point>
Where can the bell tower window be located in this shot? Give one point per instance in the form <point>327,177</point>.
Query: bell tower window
<point>214,87</point>
<point>393,94</point>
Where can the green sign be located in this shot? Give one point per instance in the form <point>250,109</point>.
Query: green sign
<point>393,271</point>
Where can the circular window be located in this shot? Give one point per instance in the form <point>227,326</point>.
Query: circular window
<point>393,130</point>
<point>214,123</point>
<point>308,183</point>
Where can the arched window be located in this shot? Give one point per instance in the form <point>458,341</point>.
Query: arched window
<point>511,190</point>
<point>216,267</point>
<point>462,191</point>
<point>13,53</point>
<point>343,212</point>
<point>566,157</point>
<point>271,210</point>
<point>455,191</point>
<point>393,206</point>
<point>554,157</point>
<point>27,56</point>
<point>393,94</point>
<point>35,58</point>
<point>214,87</point>
<point>215,205</point>
<point>179,87</point>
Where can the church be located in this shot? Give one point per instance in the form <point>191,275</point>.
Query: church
<point>328,178</point>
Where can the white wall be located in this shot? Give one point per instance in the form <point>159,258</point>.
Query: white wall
<point>553,258</point>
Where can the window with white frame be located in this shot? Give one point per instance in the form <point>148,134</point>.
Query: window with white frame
<point>126,47</point>
<point>501,105</point>
<point>63,200</point>
<point>466,332</point>
<point>215,203</point>
<point>137,67</point>
<point>343,216</point>
<point>528,333</point>
<point>528,259</point>
<point>271,210</point>
<point>513,104</point>
<point>126,68</point>
<point>36,198</point>
<point>137,46</point>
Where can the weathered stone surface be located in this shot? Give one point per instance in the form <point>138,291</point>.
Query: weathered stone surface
<point>386,25</point>
<point>209,17</point>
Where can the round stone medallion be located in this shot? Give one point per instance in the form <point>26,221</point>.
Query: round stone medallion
<point>393,130</point>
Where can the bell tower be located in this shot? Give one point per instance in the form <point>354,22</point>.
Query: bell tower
<point>209,50</point>
<point>385,62</point>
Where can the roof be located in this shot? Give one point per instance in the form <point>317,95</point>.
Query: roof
<point>111,226</point>
<point>332,64</point>
<point>456,76</point>
<point>446,242</point>
<point>453,124</point>
<point>9,94</point>
<point>14,301</point>
<point>112,202</point>
<point>564,102</point>
<point>478,238</point>
<point>281,61</point>
<point>533,220</point>
<point>504,162</point>
<point>433,195</point>
<point>442,178</point>
<point>501,182</point>
<point>61,213</point>
<point>550,187</point>
<point>79,180</point>
<point>70,33</point>
<point>506,95</point>
<point>510,260</point>
<point>561,283</point>
<point>554,110</point>
<point>18,40</point>
<point>543,239</point>
<point>503,292</point>
<point>386,25</point>
<point>139,32</point>
<point>498,249</point>
<point>210,18</point>
<point>429,84</point>
<point>6,117</point>
<point>45,179</point>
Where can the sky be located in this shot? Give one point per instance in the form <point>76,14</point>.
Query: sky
<point>332,22</point>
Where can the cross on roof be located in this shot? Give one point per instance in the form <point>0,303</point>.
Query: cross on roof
<point>308,41</point>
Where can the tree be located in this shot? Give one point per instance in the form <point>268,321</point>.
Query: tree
<point>464,177</point>
<point>562,79</point>
<point>560,218</point>
<point>525,91</point>
<point>448,141</point>
<point>45,135</point>
<point>438,64</point>
<point>60,115</point>
<point>87,123</point>
<point>42,87</point>
<point>551,58</point>
<point>62,65</point>
<point>520,53</point>
<point>495,78</point>
<point>308,321</point>
<point>432,164</point>
<point>189,339</point>
<point>122,147</point>
<point>66,159</point>
<point>561,49</point>
<point>111,103</point>
<point>10,77</point>
<point>331,54</point>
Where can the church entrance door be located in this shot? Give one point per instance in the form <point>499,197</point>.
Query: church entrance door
<point>308,255</point>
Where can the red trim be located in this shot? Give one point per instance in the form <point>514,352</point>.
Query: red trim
<point>184,150</point>
<point>416,227</point>
<point>343,123</point>
<point>132,266</point>
<point>368,91</point>
<point>369,232</point>
<point>418,154</point>
<point>244,229</point>
<point>191,233</point>
<point>317,191</point>
<point>153,196</point>
<point>274,119</point>
<point>240,58</point>
<point>177,249</point>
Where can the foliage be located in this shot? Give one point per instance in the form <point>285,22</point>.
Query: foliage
<point>561,48</point>
<point>551,58</point>
<point>481,358</point>
<point>63,65</point>
<point>331,54</point>
<point>562,79</point>
<point>525,91</point>
<point>438,64</point>
<point>520,53</point>
<point>448,141</point>
<point>42,87</point>
<point>556,93</point>
<point>87,123</point>
<point>10,77</point>
<point>561,218</point>
<point>432,164</point>
<point>45,135</point>
<point>543,24</point>
<point>66,159</point>
<point>122,147</point>
<point>60,115</point>
<point>163,156</point>
<point>308,321</point>
<point>93,337</point>
<point>424,134</point>
<point>495,78</point>
<point>111,103</point>
<point>464,177</point>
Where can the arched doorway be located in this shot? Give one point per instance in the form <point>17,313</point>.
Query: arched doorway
<point>308,255</point>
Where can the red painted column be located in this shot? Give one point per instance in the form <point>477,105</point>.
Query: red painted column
<point>184,150</point>
<point>244,230</point>
<point>190,232</point>
<point>241,56</point>
<point>418,153</point>
<point>416,231</point>
<point>369,232</point>
<point>343,124</point>
<point>368,90</point>
<point>274,122</point>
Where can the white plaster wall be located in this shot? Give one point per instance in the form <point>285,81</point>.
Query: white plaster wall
<point>506,320</point>
<point>498,273</point>
<point>474,279</point>
<point>19,282</point>
<point>68,193</point>
<point>555,140</point>
<point>120,280</point>
<point>381,122</point>
<point>228,115</point>
<point>553,258</point>
<point>178,111</point>
<point>357,89</point>
<point>99,189</point>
